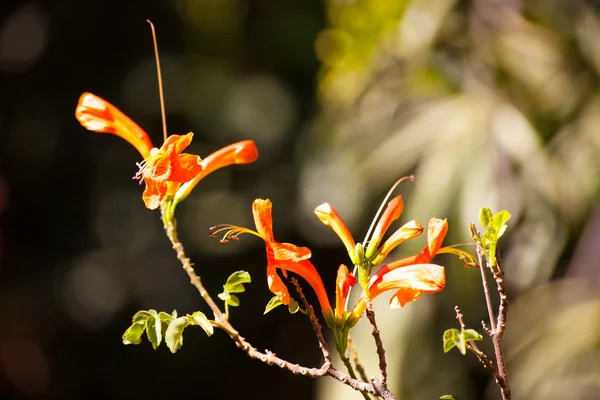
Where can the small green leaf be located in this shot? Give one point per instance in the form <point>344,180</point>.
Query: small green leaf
<point>485,217</point>
<point>235,282</point>
<point>455,338</point>
<point>233,301</point>
<point>471,334</point>
<point>451,339</point>
<point>203,322</point>
<point>274,302</point>
<point>154,329</point>
<point>133,334</point>
<point>165,320</point>
<point>140,316</point>
<point>224,295</point>
<point>449,397</point>
<point>500,220</point>
<point>495,226</point>
<point>174,334</point>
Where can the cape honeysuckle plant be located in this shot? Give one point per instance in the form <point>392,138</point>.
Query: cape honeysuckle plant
<point>170,175</point>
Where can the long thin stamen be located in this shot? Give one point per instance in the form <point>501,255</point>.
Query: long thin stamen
<point>160,86</point>
<point>365,242</point>
<point>387,196</point>
<point>231,232</point>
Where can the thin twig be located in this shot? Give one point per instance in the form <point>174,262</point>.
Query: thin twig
<point>486,290</point>
<point>377,336</point>
<point>314,321</point>
<point>501,325</point>
<point>487,363</point>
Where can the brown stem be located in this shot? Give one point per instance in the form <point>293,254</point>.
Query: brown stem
<point>380,350</point>
<point>486,290</point>
<point>314,321</point>
<point>487,363</point>
<point>501,325</point>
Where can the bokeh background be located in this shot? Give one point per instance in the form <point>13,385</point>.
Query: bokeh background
<point>488,102</point>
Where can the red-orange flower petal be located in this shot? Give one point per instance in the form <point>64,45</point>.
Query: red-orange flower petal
<point>344,282</point>
<point>244,152</point>
<point>98,115</point>
<point>327,215</point>
<point>392,212</point>
<point>286,257</point>
<point>436,232</point>
<point>165,165</point>
<point>410,283</point>
<point>407,231</point>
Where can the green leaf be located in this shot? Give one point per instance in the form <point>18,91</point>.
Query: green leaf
<point>455,338</point>
<point>140,316</point>
<point>154,329</point>
<point>452,338</point>
<point>495,226</point>
<point>174,334</point>
<point>500,220</point>
<point>224,295</point>
<point>133,334</point>
<point>471,334</point>
<point>235,282</point>
<point>200,319</point>
<point>165,320</point>
<point>485,217</point>
<point>449,397</point>
<point>274,302</point>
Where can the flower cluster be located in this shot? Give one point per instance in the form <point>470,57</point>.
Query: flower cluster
<point>170,175</point>
<point>409,277</point>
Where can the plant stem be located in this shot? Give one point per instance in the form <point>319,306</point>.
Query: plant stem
<point>378,343</point>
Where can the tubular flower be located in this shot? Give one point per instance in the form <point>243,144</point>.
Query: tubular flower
<point>327,214</point>
<point>163,169</point>
<point>410,276</point>
<point>375,254</point>
<point>244,152</point>
<point>98,115</point>
<point>436,232</point>
<point>167,172</point>
<point>409,282</point>
<point>281,256</point>
<point>344,282</point>
<point>168,165</point>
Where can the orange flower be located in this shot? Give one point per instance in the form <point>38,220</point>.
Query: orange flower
<point>165,165</point>
<point>409,282</point>
<point>281,256</point>
<point>436,232</point>
<point>98,115</point>
<point>244,152</point>
<point>163,170</point>
<point>344,282</point>
<point>374,254</point>
<point>410,276</point>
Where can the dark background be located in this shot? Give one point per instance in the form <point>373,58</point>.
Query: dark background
<point>79,253</point>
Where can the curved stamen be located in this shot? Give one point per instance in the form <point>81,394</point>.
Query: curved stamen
<point>387,196</point>
<point>231,232</point>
